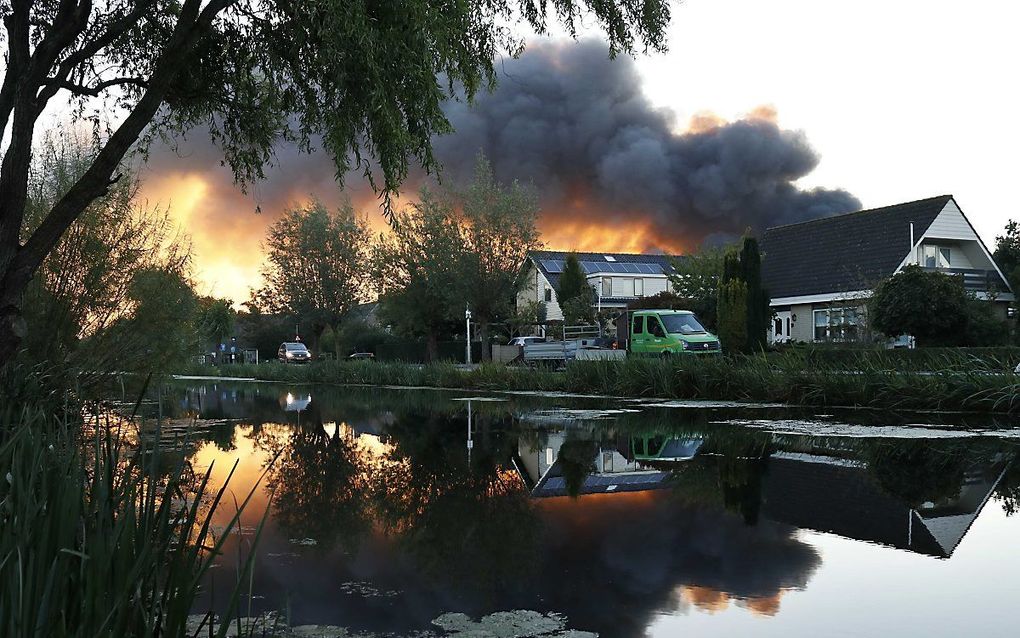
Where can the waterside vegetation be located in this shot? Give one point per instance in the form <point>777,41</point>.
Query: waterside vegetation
<point>946,380</point>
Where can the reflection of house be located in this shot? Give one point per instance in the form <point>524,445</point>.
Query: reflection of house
<point>829,494</point>
<point>819,271</point>
<point>618,278</point>
<point>631,466</point>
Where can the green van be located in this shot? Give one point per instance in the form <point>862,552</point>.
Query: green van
<point>661,332</point>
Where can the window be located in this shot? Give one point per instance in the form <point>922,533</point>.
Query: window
<point>936,256</point>
<point>624,287</point>
<point>607,286</point>
<point>548,294</point>
<point>639,325</point>
<point>655,328</point>
<point>682,324</point>
<point>639,287</point>
<point>837,324</point>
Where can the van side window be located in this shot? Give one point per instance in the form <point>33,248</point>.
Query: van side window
<point>655,327</point>
<point>639,325</point>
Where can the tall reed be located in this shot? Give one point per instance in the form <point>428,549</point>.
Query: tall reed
<point>98,538</point>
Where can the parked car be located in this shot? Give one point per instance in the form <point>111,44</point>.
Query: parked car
<point>293,352</point>
<point>523,341</point>
<point>362,355</point>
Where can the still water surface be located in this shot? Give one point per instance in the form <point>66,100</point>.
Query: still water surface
<point>392,507</point>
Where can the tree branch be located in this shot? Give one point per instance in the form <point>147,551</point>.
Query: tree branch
<point>94,90</point>
<point>96,180</point>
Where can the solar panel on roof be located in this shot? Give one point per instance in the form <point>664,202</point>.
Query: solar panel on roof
<point>635,268</point>
<point>592,267</point>
<point>647,269</point>
<point>552,265</point>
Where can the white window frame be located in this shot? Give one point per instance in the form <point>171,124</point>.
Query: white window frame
<point>834,332</point>
<point>639,287</point>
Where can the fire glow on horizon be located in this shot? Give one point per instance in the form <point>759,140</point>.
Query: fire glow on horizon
<point>227,248</point>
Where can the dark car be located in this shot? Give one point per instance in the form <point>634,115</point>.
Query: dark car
<point>293,352</point>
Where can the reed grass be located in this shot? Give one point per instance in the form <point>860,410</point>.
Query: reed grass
<point>98,538</point>
<point>871,379</point>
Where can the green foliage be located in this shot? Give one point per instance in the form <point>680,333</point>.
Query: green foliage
<point>499,231</point>
<point>84,306</point>
<point>931,306</point>
<point>216,321</point>
<point>418,268</point>
<point>733,315</point>
<point>695,277</point>
<point>316,266</point>
<point>950,381</point>
<point>746,334</point>
<point>579,310</point>
<point>525,317</point>
<point>98,539</point>
<point>159,332</point>
<point>573,282</point>
<point>1007,253</point>
<point>575,295</point>
<point>758,310</point>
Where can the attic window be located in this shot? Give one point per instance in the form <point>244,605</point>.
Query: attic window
<point>609,257</point>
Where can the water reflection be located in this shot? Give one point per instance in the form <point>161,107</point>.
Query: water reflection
<point>390,508</point>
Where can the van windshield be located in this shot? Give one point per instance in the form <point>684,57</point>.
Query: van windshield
<point>682,324</point>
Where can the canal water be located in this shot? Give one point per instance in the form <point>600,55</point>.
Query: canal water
<point>420,512</point>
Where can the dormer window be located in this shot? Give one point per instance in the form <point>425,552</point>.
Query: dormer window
<point>936,256</point>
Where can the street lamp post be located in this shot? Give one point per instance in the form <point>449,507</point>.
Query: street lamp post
<point>467,323</point>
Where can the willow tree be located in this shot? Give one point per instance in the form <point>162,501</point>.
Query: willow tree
<point>358,77</point>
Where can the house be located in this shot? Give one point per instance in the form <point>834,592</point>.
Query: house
<point>618,278</point>
<point>819,273</point>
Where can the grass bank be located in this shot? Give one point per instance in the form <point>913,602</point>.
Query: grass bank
<point>955,383</point>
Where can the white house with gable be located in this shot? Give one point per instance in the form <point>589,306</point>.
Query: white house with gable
<point>820,272</point>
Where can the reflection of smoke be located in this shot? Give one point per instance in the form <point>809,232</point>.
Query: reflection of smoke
<point>610,169</point>
<point>645,553</point>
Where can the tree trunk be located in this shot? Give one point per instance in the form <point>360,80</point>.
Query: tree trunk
<point>483,336</point>
<point>431,347</point>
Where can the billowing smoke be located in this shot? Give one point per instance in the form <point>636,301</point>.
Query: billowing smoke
<point>578,126</point>
<point>612,171</point>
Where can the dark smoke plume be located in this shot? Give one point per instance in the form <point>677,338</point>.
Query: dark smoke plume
<point>577,124</point>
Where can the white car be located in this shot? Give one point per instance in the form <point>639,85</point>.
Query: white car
<point>523,341</point>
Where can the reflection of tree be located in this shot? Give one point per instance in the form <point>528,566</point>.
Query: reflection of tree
<point>577,460</point>
<point>1008,490</point>
<point>319,483</point>
<point>742,465</point>
<point>470,522</point>
<point>917,472</point>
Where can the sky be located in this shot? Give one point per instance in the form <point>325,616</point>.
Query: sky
<point>882,102</point>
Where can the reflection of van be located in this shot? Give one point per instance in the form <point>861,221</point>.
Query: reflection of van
<point>660,448</point>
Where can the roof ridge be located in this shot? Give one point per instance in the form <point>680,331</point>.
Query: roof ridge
<point>860,212</point>
<point>601,252</point>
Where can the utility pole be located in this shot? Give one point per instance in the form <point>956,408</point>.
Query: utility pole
<point>467,323</point>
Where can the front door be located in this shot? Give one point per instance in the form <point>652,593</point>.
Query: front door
<point>780,332</point>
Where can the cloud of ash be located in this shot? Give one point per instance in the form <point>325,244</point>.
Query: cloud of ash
<point>612,171</point>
